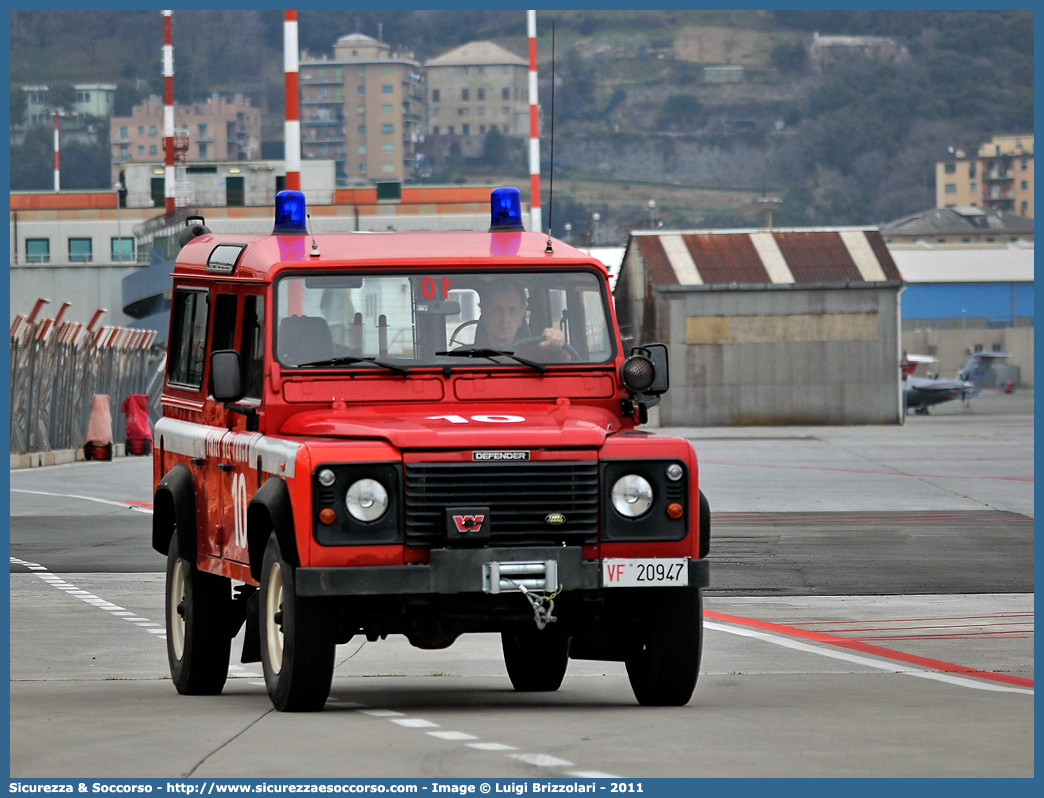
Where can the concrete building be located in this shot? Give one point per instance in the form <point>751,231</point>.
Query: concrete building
<point>363,108</point>
<point>959,226</point>
<point>999,177</point>
<point>220,129</point>
<point>476,89</point>
<point>94,99</point>
<point>768,326</point>
<point>827,50</point>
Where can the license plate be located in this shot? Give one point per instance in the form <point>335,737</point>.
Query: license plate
<point>645,572</point>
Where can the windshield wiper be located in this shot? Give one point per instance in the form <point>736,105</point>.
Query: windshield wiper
<point>476,351</point>
<point>348,360</point>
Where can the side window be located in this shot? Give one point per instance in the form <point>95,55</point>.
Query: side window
<point>252,345</point>
<point>188,338</point>
<point>224,334</point>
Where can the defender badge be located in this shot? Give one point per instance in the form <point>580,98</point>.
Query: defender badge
<point>483,457</point>
<point>554,519</point>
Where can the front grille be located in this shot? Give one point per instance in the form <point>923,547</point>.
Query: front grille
<point>520,496</point>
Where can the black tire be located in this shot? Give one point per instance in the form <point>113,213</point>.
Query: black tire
<point>663,669</point>
<point>297,639</point>
<point>536,659</point>
<point>197,605</point>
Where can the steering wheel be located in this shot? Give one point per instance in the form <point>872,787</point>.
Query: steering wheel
<point>538,339</point>
<point>460,328</point>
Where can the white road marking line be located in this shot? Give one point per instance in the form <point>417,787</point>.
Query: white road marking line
<point>157,631</point>
<point>453,735</point>
<point>882,665</point>
<point>591,774</point>
<point>491,746</point>
<point>543,760</point>
<point>122,613</point>
<point>257,684</point>
<point>124,505</point>
<point>382,713</point>
<point>414,723</point>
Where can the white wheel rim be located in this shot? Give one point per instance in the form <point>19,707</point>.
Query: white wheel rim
<point>273,631</point>
<point>177,620</point>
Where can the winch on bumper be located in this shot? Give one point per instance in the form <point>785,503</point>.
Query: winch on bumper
<point>449,571</point>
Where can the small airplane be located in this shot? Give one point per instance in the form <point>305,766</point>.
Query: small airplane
<point>920,393</point>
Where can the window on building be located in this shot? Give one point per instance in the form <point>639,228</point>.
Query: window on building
<point>387,168</point>
<point>973,186</point>
<point>141,149</point>
<point>387,108</point>
<point>322,94</point>
<point>141,130</point>
<point>361,89</point>
<point>977,348</point>
<point>152,130</point>
<point>465,129</point>
<point>480,94</point>
<point>362,149</point>
<point>387,128</point>
<point>950,188</point>
<point>482,130</point>
<point>386,69</point>
<point>362,130</point>
<point>462,112</point>
<point>202,129</point>
<point>361,109</point>
<point>387,89</point>
<point>388,147</point>
<point>435,130</point>
<point>971,169</point>
<point>202,151</point>
<point>124,151</point>
<point>464,95</point>
<point>434,95</point>
<point>1024,185</point>
<point>38,250</point>
<point>505,94</point>
<point>950,168</point>
<point>152,149</point>
<point>80,250</point>
<point>362,168</point>
<point>1025,164</point>
<point>359,70</point>
<point>997,348</point>
<point>449,130</point>
<point>1024,208</point>
<point>494,129</point>
<point>188,340</point>
<point>123,132</point>
<point>121,248</point>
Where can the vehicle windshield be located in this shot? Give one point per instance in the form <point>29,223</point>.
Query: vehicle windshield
<point>442,318</point>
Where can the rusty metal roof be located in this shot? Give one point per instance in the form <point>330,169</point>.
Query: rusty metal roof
<point>811,256</point>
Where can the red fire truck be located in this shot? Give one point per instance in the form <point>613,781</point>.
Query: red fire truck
<point>426,434</point>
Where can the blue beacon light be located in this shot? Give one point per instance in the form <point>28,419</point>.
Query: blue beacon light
<point>290,213</point>
<point>505,211</point>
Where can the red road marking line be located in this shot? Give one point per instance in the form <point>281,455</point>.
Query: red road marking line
<point>867,648</point>
<point>138,504</point>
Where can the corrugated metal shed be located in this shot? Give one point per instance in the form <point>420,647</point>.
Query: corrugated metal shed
<point>813,256</point>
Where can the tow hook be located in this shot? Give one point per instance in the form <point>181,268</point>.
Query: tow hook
<point>542,615</point>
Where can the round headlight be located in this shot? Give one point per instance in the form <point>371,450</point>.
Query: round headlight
<point>632,496</point>
<point>674,472</point>
<point>637,373</point>
<point>326,477</point>
<point>367,500</point>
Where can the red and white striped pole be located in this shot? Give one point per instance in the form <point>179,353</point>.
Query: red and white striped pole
<point>168,115</point>
<point>536,224</point>
<point>57,174</point>
<point>292,129</point>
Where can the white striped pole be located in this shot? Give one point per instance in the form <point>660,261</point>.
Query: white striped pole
<point>168,115</point>
<point>57,174</point>
<point>292,129</point>
<point>536,224</point>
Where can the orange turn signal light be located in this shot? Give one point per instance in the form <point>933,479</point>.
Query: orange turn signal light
<point>327,515</point>
<point>675,510</point>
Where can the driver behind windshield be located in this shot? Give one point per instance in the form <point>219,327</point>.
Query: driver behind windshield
<point>503,323</point>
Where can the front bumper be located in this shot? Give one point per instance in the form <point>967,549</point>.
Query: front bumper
<point>461,571</point>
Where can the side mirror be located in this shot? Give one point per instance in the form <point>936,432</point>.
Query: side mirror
<point>226,375</point>
<point>657,353</point>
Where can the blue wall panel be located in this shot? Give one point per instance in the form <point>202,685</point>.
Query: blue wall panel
<point>973,300</point>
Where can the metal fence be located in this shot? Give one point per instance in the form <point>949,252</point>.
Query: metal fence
<point>56,367</point>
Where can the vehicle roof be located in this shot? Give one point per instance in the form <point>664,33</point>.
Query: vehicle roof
<point>266,254</point>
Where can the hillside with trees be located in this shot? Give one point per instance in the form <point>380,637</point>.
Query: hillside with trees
<point>853,143</point>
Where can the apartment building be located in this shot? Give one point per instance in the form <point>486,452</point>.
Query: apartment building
<point>999,177</point>
<point>476,89</point>
<point>363,108</point>
<point>93,99</point>
<point>220,129</point>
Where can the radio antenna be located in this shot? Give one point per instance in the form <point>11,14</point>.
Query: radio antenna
<point>311,231</point>
<point>551,190</point>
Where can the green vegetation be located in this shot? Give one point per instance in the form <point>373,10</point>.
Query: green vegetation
<point>855,144</point>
